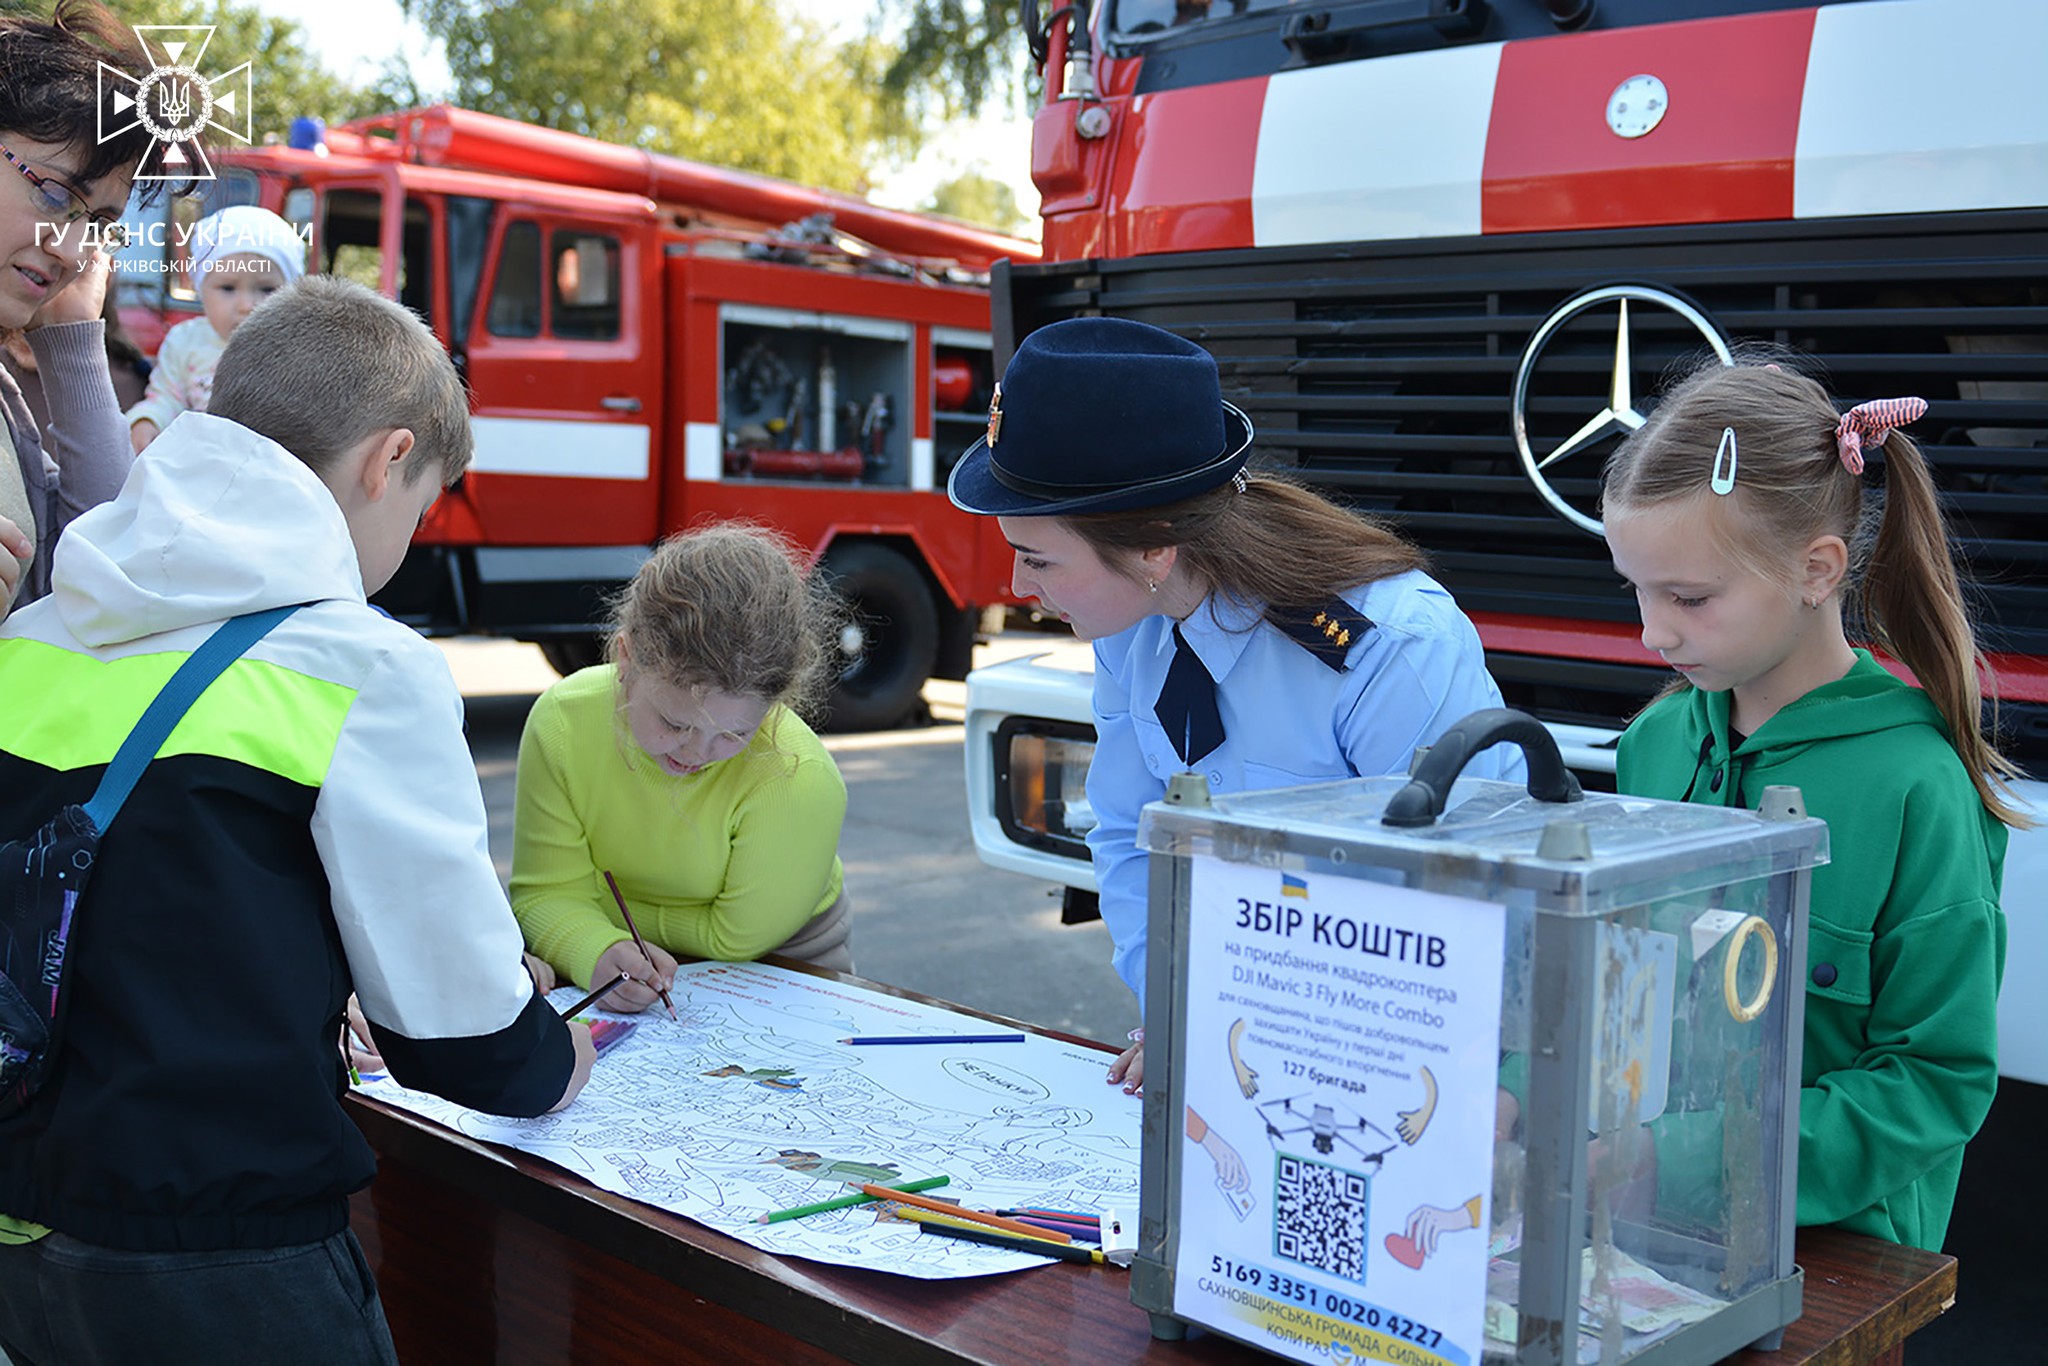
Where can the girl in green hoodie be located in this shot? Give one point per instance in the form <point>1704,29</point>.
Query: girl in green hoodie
<point>1738,514</point>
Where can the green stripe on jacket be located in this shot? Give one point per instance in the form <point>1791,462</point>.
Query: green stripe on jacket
<point>89,705</point>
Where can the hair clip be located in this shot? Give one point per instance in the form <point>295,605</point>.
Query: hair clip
<point>1239,482</point>
<point>1869,424</point>
<point>1723,479</point>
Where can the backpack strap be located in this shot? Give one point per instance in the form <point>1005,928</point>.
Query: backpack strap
<point>227,644</point>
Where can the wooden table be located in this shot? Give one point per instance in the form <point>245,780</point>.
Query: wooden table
<point>490,1255</point>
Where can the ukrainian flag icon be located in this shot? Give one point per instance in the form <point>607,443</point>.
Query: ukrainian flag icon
<point>1293,886</point>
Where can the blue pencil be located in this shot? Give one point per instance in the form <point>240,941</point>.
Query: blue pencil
<point>935,1038</point>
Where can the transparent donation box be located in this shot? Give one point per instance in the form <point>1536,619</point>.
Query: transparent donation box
<point>1441,1070</point>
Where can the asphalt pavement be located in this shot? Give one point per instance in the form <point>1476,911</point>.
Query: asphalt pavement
<point>928,914</point>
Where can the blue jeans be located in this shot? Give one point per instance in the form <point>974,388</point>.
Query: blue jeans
<point>67,1303</point>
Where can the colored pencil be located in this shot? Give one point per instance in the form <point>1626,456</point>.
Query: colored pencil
<point>594,997</point>
<point>935,1038</point>
<point>923,1183</point>
<point>1037,1247</point>
<point>1087,1233</point>
<point>1071,1216</point>
<point>977,1216</point>
<point>606,1035</point>
<point>634,930</point>
<point>925,1216</point>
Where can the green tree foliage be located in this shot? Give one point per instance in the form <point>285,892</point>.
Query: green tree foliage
<point>974,197</point>
<point>966,53</point>
<point>739,83</point>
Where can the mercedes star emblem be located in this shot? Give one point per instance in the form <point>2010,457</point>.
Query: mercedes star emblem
<point>1620,415</point>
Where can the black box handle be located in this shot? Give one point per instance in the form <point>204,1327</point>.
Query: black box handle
<point>1422,801</point>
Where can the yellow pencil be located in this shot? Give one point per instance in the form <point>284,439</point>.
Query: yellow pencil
<point>972,1215</point>
<point>925,1216</point>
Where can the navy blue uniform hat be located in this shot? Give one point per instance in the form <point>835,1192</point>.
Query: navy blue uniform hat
<point>1101,415</point>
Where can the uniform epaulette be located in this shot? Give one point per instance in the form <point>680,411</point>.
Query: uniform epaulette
<point>1328,632</point>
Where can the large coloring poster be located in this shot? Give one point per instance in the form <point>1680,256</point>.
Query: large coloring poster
<point>752,1104</point>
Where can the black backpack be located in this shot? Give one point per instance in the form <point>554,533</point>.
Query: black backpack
<point>43,876</point>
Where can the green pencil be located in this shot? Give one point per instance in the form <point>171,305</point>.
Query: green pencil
<point>923,1183</point>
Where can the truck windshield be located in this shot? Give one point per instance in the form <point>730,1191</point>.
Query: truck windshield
<point>1314,31</point>
<point>1145,18</point>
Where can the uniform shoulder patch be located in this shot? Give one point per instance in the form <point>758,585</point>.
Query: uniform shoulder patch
<point>1328,632</point>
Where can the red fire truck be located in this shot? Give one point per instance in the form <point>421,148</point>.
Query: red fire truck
<point>1443,250</point>
<point>650,343</point>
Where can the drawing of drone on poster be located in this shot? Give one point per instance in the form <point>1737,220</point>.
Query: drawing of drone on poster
<point>1338,1170</point>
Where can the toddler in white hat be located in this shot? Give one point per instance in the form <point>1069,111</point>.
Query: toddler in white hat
<point>240,257</point>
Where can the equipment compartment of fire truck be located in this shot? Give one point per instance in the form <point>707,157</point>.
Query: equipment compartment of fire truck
<point>810,397</point>
<point>651,343</point>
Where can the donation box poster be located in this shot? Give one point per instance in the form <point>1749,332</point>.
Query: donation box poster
<point>1342,1043</point>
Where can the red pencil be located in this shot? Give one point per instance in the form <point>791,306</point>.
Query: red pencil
<point>634,930</point>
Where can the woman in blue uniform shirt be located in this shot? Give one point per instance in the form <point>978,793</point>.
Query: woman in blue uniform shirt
<point>1243,626</point>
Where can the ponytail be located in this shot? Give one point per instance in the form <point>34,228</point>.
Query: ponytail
<point>1910,601</point>
<point>1801,476</point>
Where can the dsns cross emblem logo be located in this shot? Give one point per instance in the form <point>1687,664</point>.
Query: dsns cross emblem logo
<point>174,103</point>
<point>1564,428</point>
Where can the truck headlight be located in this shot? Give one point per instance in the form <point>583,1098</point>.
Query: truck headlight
<point>1041,772</point>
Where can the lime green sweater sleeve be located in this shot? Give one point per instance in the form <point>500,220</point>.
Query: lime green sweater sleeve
<point>727,863</point>
<point>554,879</point>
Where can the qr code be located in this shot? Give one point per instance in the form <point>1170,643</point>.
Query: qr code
<point>1319,1216</point>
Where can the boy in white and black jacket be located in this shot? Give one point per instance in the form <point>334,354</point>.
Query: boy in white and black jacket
<point>312,827</point>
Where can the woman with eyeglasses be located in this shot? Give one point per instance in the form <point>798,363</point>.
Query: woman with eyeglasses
<point>62,191</point>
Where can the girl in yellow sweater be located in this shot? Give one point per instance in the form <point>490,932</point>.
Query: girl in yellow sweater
<point>683,769</point>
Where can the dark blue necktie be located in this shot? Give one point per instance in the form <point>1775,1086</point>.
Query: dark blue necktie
<point>1187,704</point>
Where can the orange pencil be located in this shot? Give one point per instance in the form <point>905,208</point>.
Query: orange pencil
<point>634,930</point>
<point>975,1216</point>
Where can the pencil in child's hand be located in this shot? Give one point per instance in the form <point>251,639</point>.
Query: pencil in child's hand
<point>594,997</point>
<point>634,930</point>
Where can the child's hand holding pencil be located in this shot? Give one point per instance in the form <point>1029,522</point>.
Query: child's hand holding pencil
<point>356,1043</point>
<point>586,1058</point>
<point>662,976</point>
<point>648,982</point>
